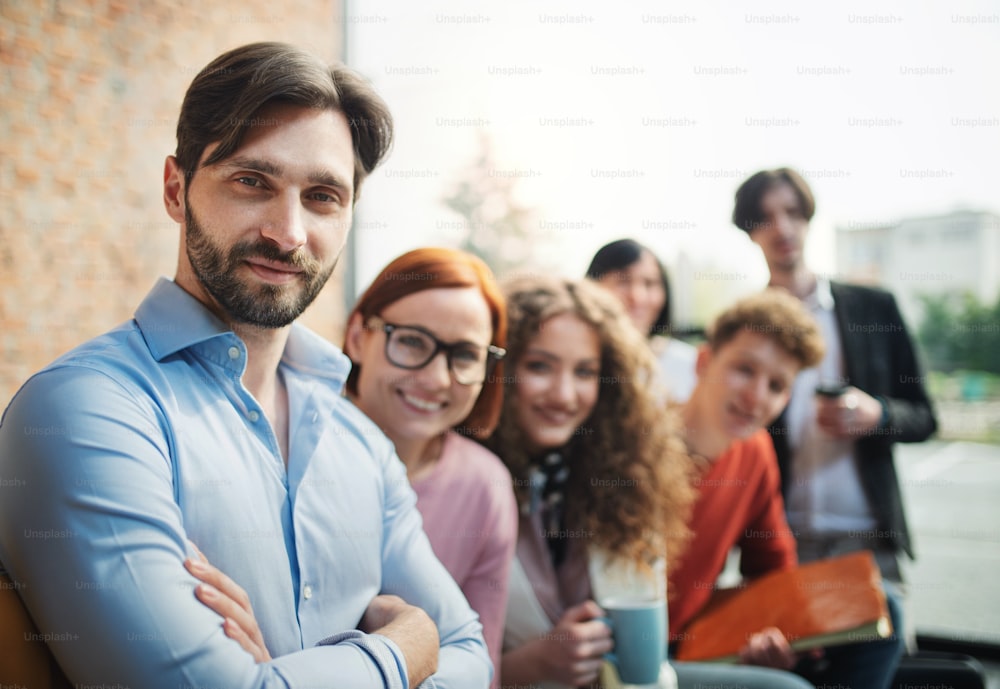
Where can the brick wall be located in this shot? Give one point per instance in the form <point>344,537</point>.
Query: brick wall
<point>89,96</point>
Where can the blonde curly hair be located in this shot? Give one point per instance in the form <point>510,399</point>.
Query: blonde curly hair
<point>630,479</point>
<point>776,314</point>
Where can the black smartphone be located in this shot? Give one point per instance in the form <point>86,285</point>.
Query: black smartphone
<point>831,388</point>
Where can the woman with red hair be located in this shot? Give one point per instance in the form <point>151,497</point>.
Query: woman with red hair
<point>427,339</point>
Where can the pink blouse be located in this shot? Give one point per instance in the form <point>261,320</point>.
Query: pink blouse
<point>470,516</point>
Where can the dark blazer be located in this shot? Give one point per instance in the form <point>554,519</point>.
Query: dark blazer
<point>879,359</point>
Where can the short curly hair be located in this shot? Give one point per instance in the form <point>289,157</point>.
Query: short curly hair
<point>630,482</point>
<point>774,312</point>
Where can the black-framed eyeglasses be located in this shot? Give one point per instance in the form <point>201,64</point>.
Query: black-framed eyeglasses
<point>411,347</point>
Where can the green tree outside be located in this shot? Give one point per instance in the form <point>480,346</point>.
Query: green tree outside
<point>958,332</point>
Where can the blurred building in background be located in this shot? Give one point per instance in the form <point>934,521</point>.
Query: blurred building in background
<point>932,255</point>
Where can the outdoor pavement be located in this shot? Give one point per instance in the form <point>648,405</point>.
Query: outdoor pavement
<point>952,496</point>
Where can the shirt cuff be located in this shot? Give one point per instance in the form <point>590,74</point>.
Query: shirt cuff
<point>884,419</point>
<point>384,653</point>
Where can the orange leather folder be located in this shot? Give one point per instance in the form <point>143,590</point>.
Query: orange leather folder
<point>824,603</point>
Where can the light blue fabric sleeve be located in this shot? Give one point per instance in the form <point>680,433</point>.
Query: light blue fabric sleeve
<point>89,524</point>
<point>412,572</point>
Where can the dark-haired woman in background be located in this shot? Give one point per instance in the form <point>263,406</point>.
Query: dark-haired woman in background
<point>634,274</point>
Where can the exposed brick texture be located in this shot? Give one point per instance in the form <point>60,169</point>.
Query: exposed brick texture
<point>89,96</point>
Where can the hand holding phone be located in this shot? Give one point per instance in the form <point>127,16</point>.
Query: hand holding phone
<point>831,388</point>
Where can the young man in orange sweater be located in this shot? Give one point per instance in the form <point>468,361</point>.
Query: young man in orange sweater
<point>754,352</point>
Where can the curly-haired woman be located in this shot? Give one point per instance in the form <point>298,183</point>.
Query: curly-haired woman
<point>595,471</point>
<point>599,474</point>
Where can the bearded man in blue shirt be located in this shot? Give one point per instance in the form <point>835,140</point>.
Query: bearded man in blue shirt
<point>211,418</point>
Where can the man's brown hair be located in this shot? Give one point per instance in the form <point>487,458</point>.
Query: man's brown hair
<point>222,103</point>
<point>746,212</point>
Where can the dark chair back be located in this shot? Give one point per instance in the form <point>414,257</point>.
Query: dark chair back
<point>25,659</point>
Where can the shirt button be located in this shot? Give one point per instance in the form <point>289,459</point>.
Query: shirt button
<point>234,352</point>
<point>307,592</point>
<point>253,416</point>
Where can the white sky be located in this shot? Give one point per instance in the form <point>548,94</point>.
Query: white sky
<point>891,109</point>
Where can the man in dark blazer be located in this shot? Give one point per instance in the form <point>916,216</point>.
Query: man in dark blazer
<point>834,440</point>
<point>835,449</point>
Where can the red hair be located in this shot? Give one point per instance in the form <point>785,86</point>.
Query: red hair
<point>436,268</point>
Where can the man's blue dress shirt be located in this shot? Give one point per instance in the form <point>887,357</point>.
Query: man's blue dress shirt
<point>121,451</point>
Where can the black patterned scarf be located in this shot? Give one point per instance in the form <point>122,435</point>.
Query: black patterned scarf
<point>549,476</point>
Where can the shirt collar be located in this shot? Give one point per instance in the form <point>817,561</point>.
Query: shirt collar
<point>821,298</point>
<point>171,320</point>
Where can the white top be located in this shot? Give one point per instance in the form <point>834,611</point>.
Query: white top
<point>676,360</point>
<point>825,495</point>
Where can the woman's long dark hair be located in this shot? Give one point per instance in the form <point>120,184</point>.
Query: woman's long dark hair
<point>619,255</point>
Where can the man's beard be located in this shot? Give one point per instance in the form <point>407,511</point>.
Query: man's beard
<point>262,305</point>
